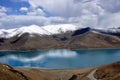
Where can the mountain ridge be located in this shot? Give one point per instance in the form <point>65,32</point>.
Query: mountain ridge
<point>62,37</point>
<point>52,30</point>
<point>34,29</point>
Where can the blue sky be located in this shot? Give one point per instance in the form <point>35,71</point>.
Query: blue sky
<point>14,6</point>
<point>93,13</point>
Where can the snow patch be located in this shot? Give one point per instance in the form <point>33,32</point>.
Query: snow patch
<point>40,30</point>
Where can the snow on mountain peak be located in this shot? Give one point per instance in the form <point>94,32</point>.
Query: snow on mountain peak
<point>33,29</point>
<point>40,30</point>
<point>56,29</point>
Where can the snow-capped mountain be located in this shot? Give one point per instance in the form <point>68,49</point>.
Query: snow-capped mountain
<point>112,31</point>
<point>65,36</point>
<point>40,30</point>
<point>53,29</point>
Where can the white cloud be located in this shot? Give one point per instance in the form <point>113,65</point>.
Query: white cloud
<point>109,20</point>
<point>32,11</point>
<point>105,21</point>
<point>93,13</point>
<point>67,8</point>
<point>36,11</point>
<point>3,11</point>
<point>21,20</point>
<point>23,9</point>
<point>112,6</point>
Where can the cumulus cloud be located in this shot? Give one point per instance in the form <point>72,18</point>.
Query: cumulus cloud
<point>32,11</point>
<point>92,13</point>
<point>83,1</point>
<point>3,11</point>
<point>23,9</point>
<point>109,20</point>
<point>112,6</point>
<point>104,21</point>
<point>21,20</point>
<point>36,11</point>
<point>68,8</point>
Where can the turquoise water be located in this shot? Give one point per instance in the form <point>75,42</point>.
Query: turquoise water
<point>60,58</point>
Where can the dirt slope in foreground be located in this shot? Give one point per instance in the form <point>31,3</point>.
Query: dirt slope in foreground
<point>106,72</point>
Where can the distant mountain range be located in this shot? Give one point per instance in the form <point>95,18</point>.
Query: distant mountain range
<point>63,36</point>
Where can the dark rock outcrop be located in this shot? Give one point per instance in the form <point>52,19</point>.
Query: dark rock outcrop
<point>81,31</point>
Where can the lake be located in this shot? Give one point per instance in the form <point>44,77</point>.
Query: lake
<point>60,58</point>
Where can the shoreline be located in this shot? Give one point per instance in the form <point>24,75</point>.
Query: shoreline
<point>61,49</point>
<point>90,73</point>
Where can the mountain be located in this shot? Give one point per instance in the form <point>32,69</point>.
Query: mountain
<point>111,31</point>
<point>34,29</point>
<point>63,36</point>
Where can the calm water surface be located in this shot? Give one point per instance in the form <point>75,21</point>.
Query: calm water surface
<point>60,58</point>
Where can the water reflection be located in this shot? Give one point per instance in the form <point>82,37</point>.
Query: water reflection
<point>60,58</point>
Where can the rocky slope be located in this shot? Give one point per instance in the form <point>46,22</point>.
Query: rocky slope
<point>65,36</point>
<point>106,72</point>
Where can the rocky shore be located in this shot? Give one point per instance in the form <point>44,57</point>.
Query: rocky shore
<point>105,72</point>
